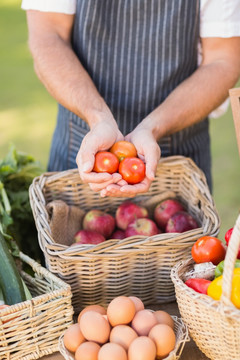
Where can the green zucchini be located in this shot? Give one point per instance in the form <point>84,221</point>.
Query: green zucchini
<point>10,279</point>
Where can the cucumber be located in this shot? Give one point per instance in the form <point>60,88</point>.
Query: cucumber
<point>10,280</point>
<point>26,290</point>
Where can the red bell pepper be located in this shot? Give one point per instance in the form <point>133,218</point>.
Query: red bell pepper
<point>199,285</point>
<point>227,238</point>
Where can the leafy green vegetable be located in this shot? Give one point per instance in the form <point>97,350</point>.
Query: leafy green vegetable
<point>17,171</point>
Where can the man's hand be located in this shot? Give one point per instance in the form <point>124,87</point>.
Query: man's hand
<point>147,148</point>
<point>101,137</point>
<point>149,151</point>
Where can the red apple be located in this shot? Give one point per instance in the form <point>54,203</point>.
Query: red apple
<point>143,226</point>
<point>180,222</point>
<point>88,237</point>
<point>164,210</point>
<point>99,221</point>
<point>127,212</point>
<point>118,234</point>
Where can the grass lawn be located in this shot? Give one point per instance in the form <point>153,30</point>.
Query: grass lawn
<point>27,115</point>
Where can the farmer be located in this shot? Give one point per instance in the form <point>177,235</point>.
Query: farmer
<point>148,71</point>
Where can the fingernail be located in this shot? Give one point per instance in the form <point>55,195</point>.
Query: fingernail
<point>87,166</point>
<point>151,175</point>
<point>103,193</point>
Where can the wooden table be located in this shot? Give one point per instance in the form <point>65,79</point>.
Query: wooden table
<point>190,352</point>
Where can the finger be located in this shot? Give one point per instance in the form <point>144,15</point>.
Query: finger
<point>99,186</point>
<point>122,182</point>
<point>142,157</point>
<point>85,159</point>
<point>86,155</point>
<point>115,193</point>
<point>111,190</point>
<point>97,178</point>
<point>128,137</point>
<point>142,187</point>
<point>120,137</point>
<point>152,157</point>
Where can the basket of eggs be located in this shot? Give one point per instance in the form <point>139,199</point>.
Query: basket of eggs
<point>124,330</point>
<point>208,294</point>
<point>138,239</point>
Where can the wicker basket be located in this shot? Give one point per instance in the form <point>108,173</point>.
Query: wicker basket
<point>213,325</point>
<point>31,329</point>
<point>137,265</point>
<point>180,330</point>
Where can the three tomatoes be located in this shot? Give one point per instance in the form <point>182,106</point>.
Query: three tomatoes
<point>122,158</point>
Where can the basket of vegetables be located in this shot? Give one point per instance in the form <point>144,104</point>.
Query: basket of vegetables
<point>208,295</point>
<point>35,308</point>
<point>135,263</point>
<point>17,171</point>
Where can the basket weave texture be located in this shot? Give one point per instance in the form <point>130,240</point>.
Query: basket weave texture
<point>137,265</point>
<point>213,325</point>
<point>31,329</point>
<point>180,330</point>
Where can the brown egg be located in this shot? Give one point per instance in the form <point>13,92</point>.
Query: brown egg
<point>120,311</point>
<point>94,327</point>
<point>111,351</point>
<point>87,351</point>
<point>142,348</point>
<point>123,335</point>
<point>98,308</point>
<point>143,321</point>
<point>137,302</point>
<point>164,318</point>
<point>73,337</point>
<point>164,338</point>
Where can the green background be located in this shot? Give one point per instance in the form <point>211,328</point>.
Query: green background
<point>27,115</point>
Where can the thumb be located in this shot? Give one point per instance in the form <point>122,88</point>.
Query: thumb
<point>152,156</point>
<point>86,157</point>
<point>119,137</point>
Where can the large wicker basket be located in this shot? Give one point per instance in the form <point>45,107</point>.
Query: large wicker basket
<point>31,329</point>
<point>137,265</point>
<point>180,330</point>
<point>213,325</point>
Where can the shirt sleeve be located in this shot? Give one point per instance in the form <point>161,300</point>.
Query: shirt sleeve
<point>60,6</point>
<point>220,18</point>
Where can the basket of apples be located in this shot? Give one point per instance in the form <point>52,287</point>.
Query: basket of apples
<point>208,294</point>
<point>122,245</point>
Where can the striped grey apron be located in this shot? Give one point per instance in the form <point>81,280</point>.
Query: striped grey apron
<point>136,52</point>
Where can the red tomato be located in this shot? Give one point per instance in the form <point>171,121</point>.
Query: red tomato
<point>105,162</point>
<point>227,238</point>
<point>123,149</point>
<point>208,249</point>
<point>132,170</point>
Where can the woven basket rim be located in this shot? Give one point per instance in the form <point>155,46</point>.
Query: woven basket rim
<point>166,239</point>
<point>114,246</point>
<point>228,311</point>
